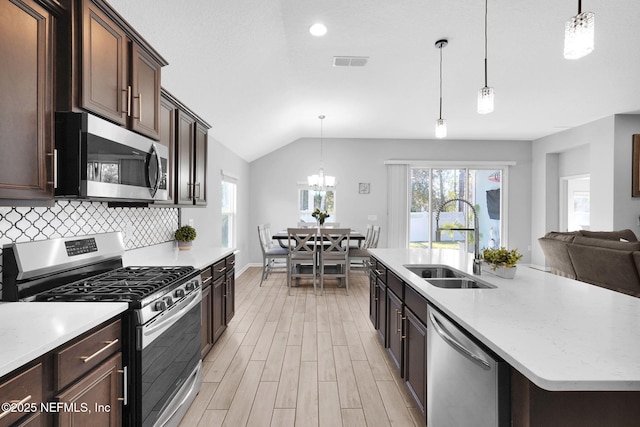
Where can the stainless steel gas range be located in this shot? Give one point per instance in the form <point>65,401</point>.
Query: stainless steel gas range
<point>161,348</point>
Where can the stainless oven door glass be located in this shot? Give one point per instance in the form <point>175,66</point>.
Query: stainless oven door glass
<point>170,352</point>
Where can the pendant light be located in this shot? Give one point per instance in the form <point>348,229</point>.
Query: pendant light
<point>485,94</point>
<point>441,124</point>
<point>321,181</point>
<point>578,34</point>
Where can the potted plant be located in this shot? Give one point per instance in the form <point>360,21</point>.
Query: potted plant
<point>501,262</point>
<point>185,236</point>
<point>320,216</point>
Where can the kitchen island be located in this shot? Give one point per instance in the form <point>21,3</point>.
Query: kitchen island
<point>558,334</point>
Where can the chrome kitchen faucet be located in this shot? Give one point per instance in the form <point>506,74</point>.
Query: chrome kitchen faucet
<point>475,229</point>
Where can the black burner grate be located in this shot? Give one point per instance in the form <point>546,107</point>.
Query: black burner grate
<point>122,284</point>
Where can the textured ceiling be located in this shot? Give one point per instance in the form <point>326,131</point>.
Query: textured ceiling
<point>252,70</point>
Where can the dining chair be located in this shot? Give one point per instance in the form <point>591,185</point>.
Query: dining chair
<point>302,255</point>
<point>331,225</point>
<point>359,256</point>
<point>334,252</point>
<point>274,258</point>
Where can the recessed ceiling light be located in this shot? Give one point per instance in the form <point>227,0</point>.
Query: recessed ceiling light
<point>318,30</point>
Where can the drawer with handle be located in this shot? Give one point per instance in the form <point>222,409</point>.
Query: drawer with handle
<point>23,392</point>
<point>219,269</point>
<point>73,361</point>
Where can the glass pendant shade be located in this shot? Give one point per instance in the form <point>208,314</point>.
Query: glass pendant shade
<point>441,128</point>
<point>321,181</point>
<point>485,100</point>
<point>578,35</point>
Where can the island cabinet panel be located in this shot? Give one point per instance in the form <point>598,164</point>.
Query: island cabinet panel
<point>26,113</point>
<point>98,392</point>
<point>532,406</point>
<point>26,388</point>
<point>415,359</point>
<point>395,316</point>
<point>120,73</point>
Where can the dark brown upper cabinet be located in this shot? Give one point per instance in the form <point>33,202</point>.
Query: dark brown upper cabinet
<point>28,31</point>
<point>119,71</point>
<point>188,134</point>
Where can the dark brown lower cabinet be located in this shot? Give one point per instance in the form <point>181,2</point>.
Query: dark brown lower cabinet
<point>395,330</point>
<point>381,309</point>
<point>415,359</point>
<point>94,400</point>
<point>206,313</point>
<point>373,295</point>
<point>219,318</point>
<point>229,296</point>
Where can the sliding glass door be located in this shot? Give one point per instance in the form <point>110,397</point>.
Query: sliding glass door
<point>437,203</point>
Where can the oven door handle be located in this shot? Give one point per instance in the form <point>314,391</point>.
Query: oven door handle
<point>165,321</point>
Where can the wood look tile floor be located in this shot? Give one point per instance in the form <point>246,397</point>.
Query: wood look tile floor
<point>300,360</point>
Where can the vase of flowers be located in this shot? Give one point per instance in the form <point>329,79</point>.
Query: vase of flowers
<point>320,216</point>
<point>185,236</point>
<point>500,262</point>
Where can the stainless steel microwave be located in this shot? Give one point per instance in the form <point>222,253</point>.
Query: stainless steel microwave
<point>96,159</point>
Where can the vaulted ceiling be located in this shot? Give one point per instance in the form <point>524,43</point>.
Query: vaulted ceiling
<point>251,68</point>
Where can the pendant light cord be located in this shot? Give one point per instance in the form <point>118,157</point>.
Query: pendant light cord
<point>486,7</point>
<point>440,81</point>
<point>321,117</point>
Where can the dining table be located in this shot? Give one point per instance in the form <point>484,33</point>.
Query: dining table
<point>282,236</point>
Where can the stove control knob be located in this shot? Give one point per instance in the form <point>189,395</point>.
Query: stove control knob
<point>161,306</point>
<point>191,285</point>
<point>179,293</point>
<point>168,300</point>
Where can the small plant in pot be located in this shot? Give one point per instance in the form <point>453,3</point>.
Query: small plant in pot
<point>185,236</point>
<point>501,262</point>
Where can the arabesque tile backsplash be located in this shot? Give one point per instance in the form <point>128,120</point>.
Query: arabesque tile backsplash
<point>140,226</point>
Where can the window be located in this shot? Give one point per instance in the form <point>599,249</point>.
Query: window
<point>310,200</point>
<point>430,187</point>
<point>228,213</point>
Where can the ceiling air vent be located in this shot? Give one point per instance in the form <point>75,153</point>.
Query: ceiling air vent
<point>350,61</point>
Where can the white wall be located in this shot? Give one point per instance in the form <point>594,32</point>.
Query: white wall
<point>609,165</point>
<point>274,178</point>
<point>207,220</point>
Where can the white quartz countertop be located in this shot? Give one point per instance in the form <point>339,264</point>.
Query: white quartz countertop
<point>30,329</point>
<point>199,256</point>
<point>560,333</point>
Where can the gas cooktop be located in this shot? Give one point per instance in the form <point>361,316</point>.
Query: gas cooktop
<point>122,284</point>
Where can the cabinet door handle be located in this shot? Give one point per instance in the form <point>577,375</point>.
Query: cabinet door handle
<point>124,399</point>
<point>221,270</point>
<point>398,327</point>
<point>139,116</point>
<point>14,402</point>
<point>86,359</point>
<point>197,196</point>
<point>128,107</point>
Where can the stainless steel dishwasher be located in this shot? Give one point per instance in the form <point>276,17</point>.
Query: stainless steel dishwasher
<point>466,385</point>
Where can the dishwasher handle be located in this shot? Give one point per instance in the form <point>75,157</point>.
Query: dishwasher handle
<point>440,329</point>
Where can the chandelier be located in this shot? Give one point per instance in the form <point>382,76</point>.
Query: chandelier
<point>321,181</point>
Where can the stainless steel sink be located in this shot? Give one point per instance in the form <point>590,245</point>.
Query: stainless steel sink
<point>459,283</point>
<point>433,271</point>
<point>446,277</point>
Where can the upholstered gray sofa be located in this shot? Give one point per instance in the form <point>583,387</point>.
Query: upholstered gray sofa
<point>610,259</point>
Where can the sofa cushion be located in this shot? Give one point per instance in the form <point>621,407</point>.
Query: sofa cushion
<point>605,243</point>
<point>554,245</point>
<point>606,263</point>
<point>625,234</point>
